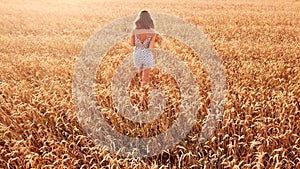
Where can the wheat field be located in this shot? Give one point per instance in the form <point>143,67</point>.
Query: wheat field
<point>257,41</point>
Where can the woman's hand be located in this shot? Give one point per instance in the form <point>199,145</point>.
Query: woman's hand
<point>158,39</point>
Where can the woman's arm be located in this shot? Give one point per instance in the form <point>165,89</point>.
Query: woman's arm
<point>151,45</point>
<point>132,40</point>
<point>132,43</point>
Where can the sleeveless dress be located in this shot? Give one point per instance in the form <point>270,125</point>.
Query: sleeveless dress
<point>142,56</point>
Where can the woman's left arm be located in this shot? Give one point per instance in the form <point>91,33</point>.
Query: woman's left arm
<point>132,43</point>
<point>132,40</point>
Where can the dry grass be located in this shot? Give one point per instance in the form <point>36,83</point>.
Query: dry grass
<point>258,42</point>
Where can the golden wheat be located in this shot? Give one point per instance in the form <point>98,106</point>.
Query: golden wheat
<point>257,41</point>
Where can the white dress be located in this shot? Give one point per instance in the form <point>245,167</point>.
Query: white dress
<point>142,56</point>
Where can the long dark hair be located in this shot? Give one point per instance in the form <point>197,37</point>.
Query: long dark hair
<point>144,20</point>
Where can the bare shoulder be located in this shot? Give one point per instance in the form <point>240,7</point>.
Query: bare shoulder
<point>144,31</point>
<point>133,31</point>
<point>152,31</point>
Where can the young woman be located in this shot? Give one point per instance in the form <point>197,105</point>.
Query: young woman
<point>143,38</point>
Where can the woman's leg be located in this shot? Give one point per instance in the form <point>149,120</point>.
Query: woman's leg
<point>145,76</point>
<point>140,74</point>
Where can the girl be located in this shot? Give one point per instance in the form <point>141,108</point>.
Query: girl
<point>143,38</point>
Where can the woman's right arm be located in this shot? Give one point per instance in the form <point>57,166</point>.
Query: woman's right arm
<point>151,45</point>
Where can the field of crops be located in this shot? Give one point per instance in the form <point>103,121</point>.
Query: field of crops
<point>257,42</point>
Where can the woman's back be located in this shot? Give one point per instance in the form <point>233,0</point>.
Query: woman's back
<point>142,37</point>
